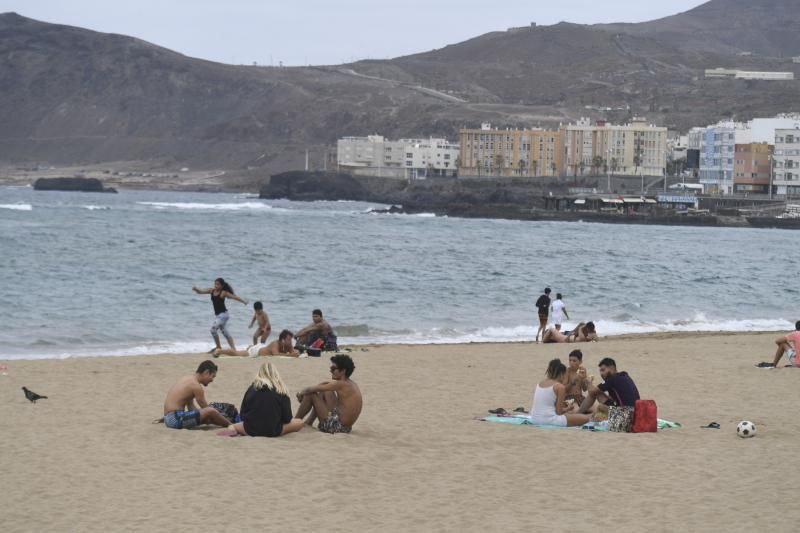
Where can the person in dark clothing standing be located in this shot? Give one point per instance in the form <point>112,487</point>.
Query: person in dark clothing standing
<point>617,389</point>
<point>543,305</point>
<point>218,294</point>
<point>266,408</point>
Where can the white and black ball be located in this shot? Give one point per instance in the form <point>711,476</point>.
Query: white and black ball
<point>746,429</point>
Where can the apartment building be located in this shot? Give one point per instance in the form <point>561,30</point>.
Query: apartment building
<point>717,154</point>
<point>725,73</point>
<point>403,158</point>
<point>633,149</point>
<point>510,152</point>
<point>786,174</point>
<point>751,167</point>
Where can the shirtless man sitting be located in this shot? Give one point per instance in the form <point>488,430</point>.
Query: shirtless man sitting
<point>284,345</point>
<point>318,329</point>
<point>336,403</point>
<point>180,411</point>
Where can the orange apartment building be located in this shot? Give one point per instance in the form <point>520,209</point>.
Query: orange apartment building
<point>751,168</point>
<point>510,152</point>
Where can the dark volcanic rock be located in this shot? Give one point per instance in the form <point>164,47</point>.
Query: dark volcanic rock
<point>71,184</point>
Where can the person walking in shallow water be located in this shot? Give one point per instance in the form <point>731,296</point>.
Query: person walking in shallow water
<point>218,294</point>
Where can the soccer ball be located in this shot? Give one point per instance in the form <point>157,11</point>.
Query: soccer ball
<point>746,429</point>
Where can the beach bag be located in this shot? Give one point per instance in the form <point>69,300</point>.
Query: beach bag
<point>315,348</point>
<point>645,417</point>
<point>228,410</point>
<point>620,419</point>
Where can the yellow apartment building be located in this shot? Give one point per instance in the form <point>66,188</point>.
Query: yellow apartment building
<point>510,152</point>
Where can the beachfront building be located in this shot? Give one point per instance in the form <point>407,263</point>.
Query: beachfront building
<point>375,155</point>
<point>717,154</point>
<point>493,152</point>
<point>751,172</point>
<point>786,172</point>
<point>633,149</point>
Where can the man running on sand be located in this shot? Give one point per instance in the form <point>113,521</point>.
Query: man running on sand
<point>336,403</point>
<point>180,411</point>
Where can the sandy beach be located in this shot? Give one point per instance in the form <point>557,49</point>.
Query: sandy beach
<point>89,458</point>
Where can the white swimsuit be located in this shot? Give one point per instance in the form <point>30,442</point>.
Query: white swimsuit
<point>544,408</point>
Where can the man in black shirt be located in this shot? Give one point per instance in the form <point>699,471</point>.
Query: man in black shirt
<point>617,389</point>
<point>543,304</point>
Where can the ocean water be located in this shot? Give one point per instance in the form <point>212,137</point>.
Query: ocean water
<point>87,274</point>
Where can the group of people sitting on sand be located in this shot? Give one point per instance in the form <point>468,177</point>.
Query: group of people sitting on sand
<point>266,409</point>
<point>553,312</point>
<point>313,338</point>
<point>568,396</point>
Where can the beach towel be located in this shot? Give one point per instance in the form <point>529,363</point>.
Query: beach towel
<point>261,356</point>
<point>524,420</point>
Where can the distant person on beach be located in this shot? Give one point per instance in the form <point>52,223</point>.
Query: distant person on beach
<point>550,406</point>
<point>583,332</point>
<point>336,403</point>
<point>283,345</point>
<point>617,389</point>
<point>575,380</point>
<point>317,332</point>
<point>558,311</point>
<point>218,294</point>
<point>264,327</point>
<point>266,408</point>
<point>180,411</point>
<point>543,306</point>
<point>788,345</point>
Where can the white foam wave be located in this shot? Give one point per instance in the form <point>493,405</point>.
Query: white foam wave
<point>242,206</point>
<point>96,207</point>
<point>17,207</point>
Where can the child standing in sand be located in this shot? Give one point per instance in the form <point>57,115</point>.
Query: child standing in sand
<point>264,327</point>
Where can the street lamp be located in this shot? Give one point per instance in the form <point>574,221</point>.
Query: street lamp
<point>608,168</point>
<point>770,176</point>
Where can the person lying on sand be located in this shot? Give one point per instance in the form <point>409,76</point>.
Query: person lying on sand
<point>788,345</point>
<point>180,411</point>
<point>336,403</point>
<point>283,345</point>
<point>549,400</point>
<point>583,332</point>
<point>266,408</point>
<point>617,389</point>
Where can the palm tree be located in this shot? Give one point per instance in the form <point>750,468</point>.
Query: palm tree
<point>535,164</point>
<point>521,165</point>
<point>553,167</point>
<point>597,162</point>
<point>614,165</point>
<point>499,161</point>
<point>582,166</point>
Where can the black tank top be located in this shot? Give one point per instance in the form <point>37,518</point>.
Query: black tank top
<point>219,303</point>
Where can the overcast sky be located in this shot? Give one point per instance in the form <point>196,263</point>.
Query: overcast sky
<point>300,32</point>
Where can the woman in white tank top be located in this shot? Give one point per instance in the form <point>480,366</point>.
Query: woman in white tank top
<point>549,406</point>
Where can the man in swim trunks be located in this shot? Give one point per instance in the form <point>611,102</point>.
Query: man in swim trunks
<point>543,305</point>
<point>180,411</point>
<point>336,403</point>
<point>788,345</point>
<point>284,345</point>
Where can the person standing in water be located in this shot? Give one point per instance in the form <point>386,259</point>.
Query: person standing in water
<point>218,294</point>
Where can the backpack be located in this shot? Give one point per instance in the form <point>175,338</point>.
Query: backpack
<point>645,417</point>
<point>228,410</point>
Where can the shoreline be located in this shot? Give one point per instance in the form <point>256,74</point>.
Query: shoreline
<point>358,348</point>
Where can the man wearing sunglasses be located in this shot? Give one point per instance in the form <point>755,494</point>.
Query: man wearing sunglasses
<point>336,403</point>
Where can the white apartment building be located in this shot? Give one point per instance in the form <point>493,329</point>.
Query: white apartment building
<point>404,158</point>
<point>786,172</point>
<point>748,74</point>
<point>717,146</point>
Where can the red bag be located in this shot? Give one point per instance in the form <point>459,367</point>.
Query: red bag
<point>645,417</point>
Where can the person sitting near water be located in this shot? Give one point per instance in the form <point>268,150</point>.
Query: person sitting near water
<point>180,411</point>
<point>336,403</point>
<point>583,332</point>
<point>575,379</point>
<point>316,335</point>
<point>283,345</point>
<point>617,389</point>
<point>788,345</point>
<point>266,408</point>
<point>549,400</point>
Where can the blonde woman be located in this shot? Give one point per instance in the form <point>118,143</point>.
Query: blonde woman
<point>266,409</point>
